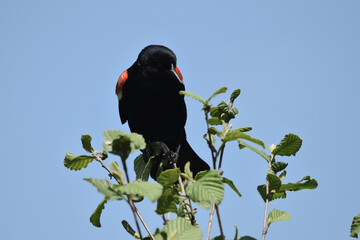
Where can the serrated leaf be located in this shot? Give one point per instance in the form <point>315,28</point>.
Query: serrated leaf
<point>215,121</point>
<point>179,229</point>
<point>217,92</point>
<point>76,163</point>
<point>95,216</point>
<point>278,166</point>
<point>168,177</point>
<point>305,183</point>
<point>118,174</point>
<point>355,226</point>
<point>129,229</point>
<point>122,144</point>
<point>231,185</point>
<point>111,191</point>
<point>86,142</point>
<point>166,202</point>
<point>260,152</point>
<point>277,216</point>
<point>235,94</point>
<point>238,134</point>
<point>151,191</point>
<point>194,96</point>
<point>288,146</point>
<point>208,188</point>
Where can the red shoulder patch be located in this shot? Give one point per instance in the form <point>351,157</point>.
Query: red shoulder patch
<point>121,82</point>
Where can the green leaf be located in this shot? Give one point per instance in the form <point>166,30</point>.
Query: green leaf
<point>74,162</point>
<point>288,146</point>
<point>122,143</point>
<point>231,184</point>
<point>355,226</point>
<point>168,177</point>
<point>166,202</point>
<point>129,229</point>
<point>95,216</point>
<point>277,216</point>
<point>188,171</point>
<point>274,182</point>
<point>206,189</point>
<point>238,134</point>
<point>111,191</point>
<point>215,112</point>
<point>118,174</point>
<point>235,94</point>
<point>194,96</point>
<point>272,196</point>
<point>141,168</point>
<point>260,152</point>
<point>219,91</point>
<point>86,142</point>
<point>223,107</point>
<point>179,229</point>
<point>305,183</point>
<point>278,166</point>
<point>236,232</point>
<point>247,238</point>
<point>215,121</point>
<point>150,190</point>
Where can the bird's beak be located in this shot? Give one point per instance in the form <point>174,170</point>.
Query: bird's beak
<point>120,83</point>
<point>177,73</point>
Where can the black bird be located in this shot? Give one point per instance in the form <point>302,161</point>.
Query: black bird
<point>149,100</point>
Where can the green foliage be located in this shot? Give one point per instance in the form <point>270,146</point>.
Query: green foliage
<point>151,191</point>
<point>194,96</point>
<point>288,146</point>
<point>217,92</point>
<point>76,163</point>
<point>129,229</point>
<point>232,185</point>
<point>141,168</point>
<point>277,216</point>
<point>262,153</point>
<point>355,226</point>
<point>235,94</point>
<point>86,142</point>
<point>95,216</point>
<point>238,134</point>
<point>118,174</point>
<point>207,188</point>
<point>304,183</point>
<point>109,190</point>
<point>168,177</point>
<point>122,144</point>
<point>166,203</point>
<point>278,166</point>
<point>179,229</point>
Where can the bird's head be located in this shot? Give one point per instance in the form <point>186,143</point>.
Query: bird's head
<point>153,58</point>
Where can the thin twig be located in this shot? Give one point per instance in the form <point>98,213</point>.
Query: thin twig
<point>212,147</point>
<point>266,209</point>
<point>219,220</point>
<point>210,221</point>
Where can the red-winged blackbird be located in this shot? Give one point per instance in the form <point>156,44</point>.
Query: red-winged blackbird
<point>149,100</point>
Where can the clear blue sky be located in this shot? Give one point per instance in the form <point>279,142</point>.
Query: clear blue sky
<point>297,63</point>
